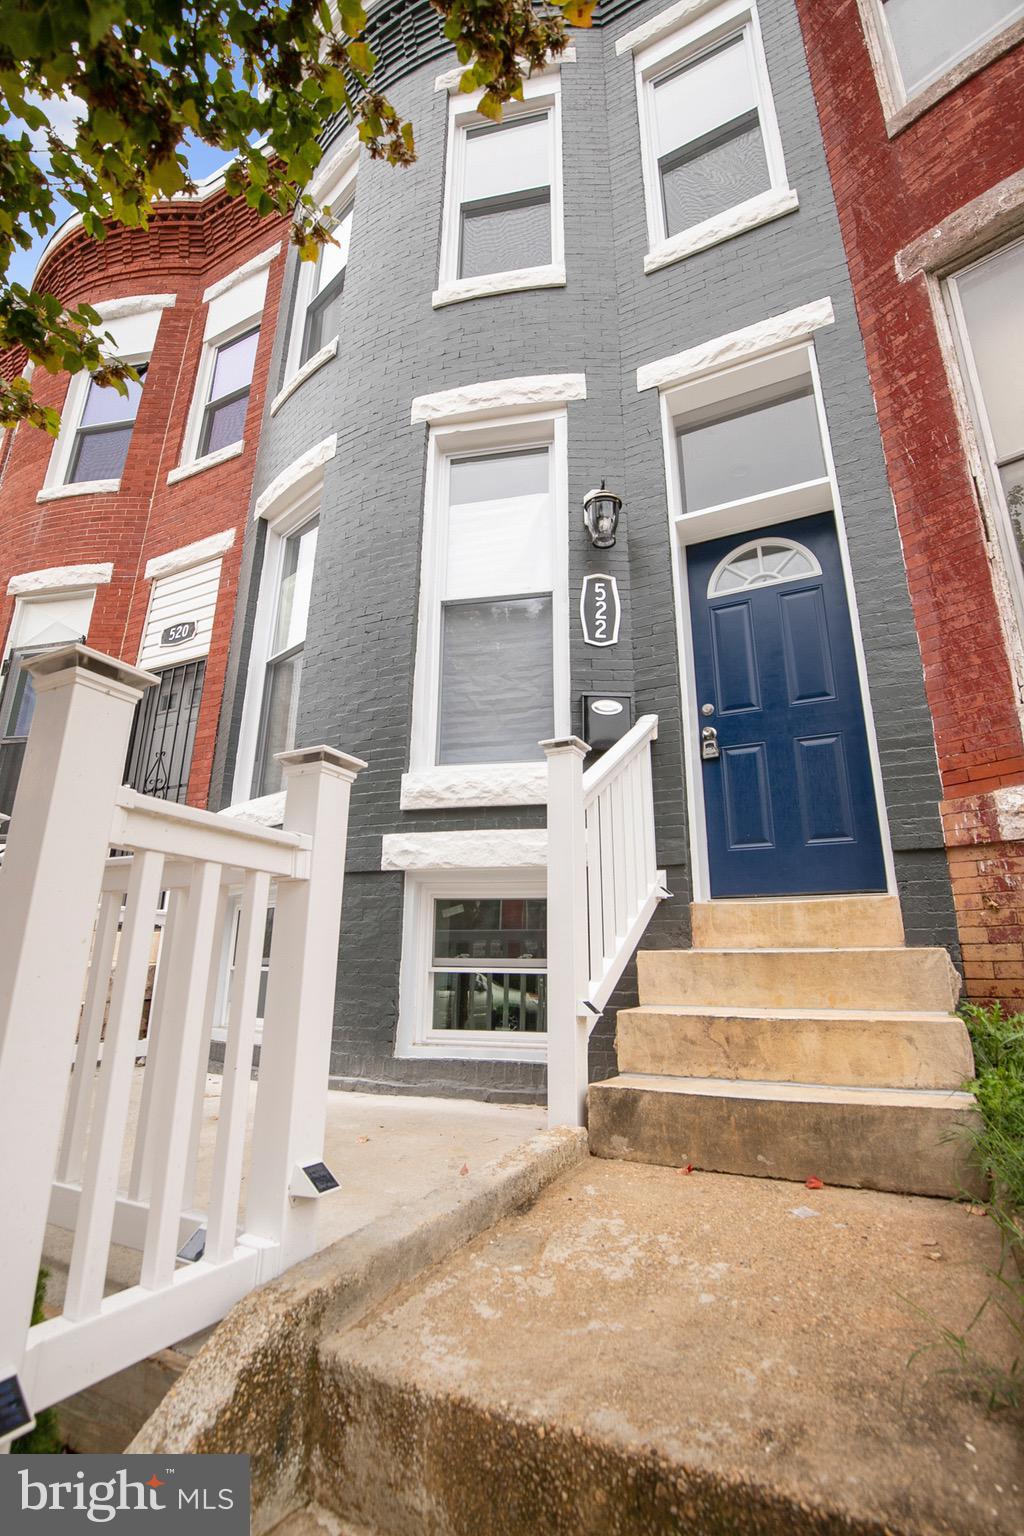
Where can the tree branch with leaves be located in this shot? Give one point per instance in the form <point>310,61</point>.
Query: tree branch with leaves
<point>257,79</point>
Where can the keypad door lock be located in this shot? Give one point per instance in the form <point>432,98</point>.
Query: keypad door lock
<point>709,748</point>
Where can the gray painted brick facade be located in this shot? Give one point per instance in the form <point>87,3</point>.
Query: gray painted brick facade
<point>609,319</point>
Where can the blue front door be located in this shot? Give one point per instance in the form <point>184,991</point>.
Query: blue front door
<point>789,798</point>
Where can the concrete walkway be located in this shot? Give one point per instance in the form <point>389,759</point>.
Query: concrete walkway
<point>388,1150</point>
<point>646,1351</point>
<point>391,1153</point>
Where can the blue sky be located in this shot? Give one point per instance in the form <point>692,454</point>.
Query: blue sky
<point>202,160</point>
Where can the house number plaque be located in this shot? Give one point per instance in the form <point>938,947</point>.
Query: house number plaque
<point>177,634</point>
<point>600,610</point>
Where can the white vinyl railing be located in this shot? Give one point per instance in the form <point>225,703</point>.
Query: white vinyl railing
<point>77,943</point>
<point>603,887</point>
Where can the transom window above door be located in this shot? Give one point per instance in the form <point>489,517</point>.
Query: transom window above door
<point>759,443</point>
<point>762,563</point>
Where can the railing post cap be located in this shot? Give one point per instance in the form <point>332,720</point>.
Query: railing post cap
<point>561,744</point>
<point>52,668</point>
<point>320,757</point>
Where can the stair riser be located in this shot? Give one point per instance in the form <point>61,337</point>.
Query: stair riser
<point>888,1053</point>
<point>891,980</point>
<point>403,1463</point>
<point>829,922</point>
<point>909,1150</point>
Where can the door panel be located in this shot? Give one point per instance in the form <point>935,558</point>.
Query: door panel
<point>789,802</point>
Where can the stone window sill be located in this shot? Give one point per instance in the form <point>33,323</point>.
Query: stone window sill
<point>762,209</point>
<point>308,368</point>
<point>209,461</point>
<point>81,488</point>
<point>900,119</point>
<point>463,288</point>
<point>489,784</point>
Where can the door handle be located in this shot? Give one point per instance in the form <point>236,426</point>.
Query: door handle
<point>709,748</point>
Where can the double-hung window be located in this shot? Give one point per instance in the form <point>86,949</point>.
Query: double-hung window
<point>920,41</point>
<point>322,320</point>
<point>712,155</point>
<point>104,431</point>
<point>474,965</point>
<point>227,400</point>
<point>283,669</point>
<point>97,421</point>
<point>503,201</point>
<point>494,686</point>
<point>987,307</point>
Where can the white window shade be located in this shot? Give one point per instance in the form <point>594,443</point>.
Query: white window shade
<point>499,546</point>
<point>507,157</point>
<point>241,302</point>
<point>702,95</point>
<point>176,604</point>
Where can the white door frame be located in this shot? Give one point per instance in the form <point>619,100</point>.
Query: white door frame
<point>741,517</point>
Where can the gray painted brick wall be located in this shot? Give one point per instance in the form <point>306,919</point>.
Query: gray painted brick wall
<point>610,318</point>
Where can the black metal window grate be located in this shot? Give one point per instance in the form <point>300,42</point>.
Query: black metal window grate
<point>164,733</point>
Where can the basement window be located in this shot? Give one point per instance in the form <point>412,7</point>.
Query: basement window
<point>474,965</point>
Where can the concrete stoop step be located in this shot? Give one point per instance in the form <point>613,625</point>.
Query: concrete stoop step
<point>797,1037</point>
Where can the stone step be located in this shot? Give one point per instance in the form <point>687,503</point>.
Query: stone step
<point>911,1141</point>
<point>821,922</point>
<point>891,979</point>
<point>860,1047</point>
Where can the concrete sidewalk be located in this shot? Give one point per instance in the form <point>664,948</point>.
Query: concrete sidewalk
<point>649,1351</point>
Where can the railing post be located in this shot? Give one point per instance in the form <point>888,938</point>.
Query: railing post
<point>50,885</point>
<point>568,967</point>
<point>295,1055</point>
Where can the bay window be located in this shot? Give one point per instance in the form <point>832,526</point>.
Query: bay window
<point>104,432</point>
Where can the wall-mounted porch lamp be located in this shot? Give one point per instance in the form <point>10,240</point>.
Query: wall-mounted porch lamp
<point>601,516</point>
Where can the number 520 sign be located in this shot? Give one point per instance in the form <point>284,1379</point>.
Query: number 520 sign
<point>600,610</point>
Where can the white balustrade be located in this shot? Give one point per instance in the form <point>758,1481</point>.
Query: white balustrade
<point>603,888</point>
<point>77,943</point>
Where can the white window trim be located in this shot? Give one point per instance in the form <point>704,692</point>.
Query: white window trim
<point>660,46</point>
<point>192,462</point>
<point>757,340</point>
<point>476,402</point>
<point>415,1040</point>
<point>442,788</point>
<point>247,269</point>
<point>1004,561</point>
<point>548,428</point>
<point>451,80</point>
<point>140,307</point>
<point>733,377</point>
<point>333,187</point>
<point>288,502</point>
<point>541,90</point>
<point>901,109</point>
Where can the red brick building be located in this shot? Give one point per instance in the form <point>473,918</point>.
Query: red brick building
<point>922,111</point>
<point>127,531</point>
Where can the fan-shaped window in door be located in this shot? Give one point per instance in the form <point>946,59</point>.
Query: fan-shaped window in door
<point>762,563</point>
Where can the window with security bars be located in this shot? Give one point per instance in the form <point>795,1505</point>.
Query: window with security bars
<point>505,202</point>
<point>489,964</point>
<point>104,432</point>
<point>322,320</point>
<point>710,144</point>
<point>228,397</point>
<point>164,733</point>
